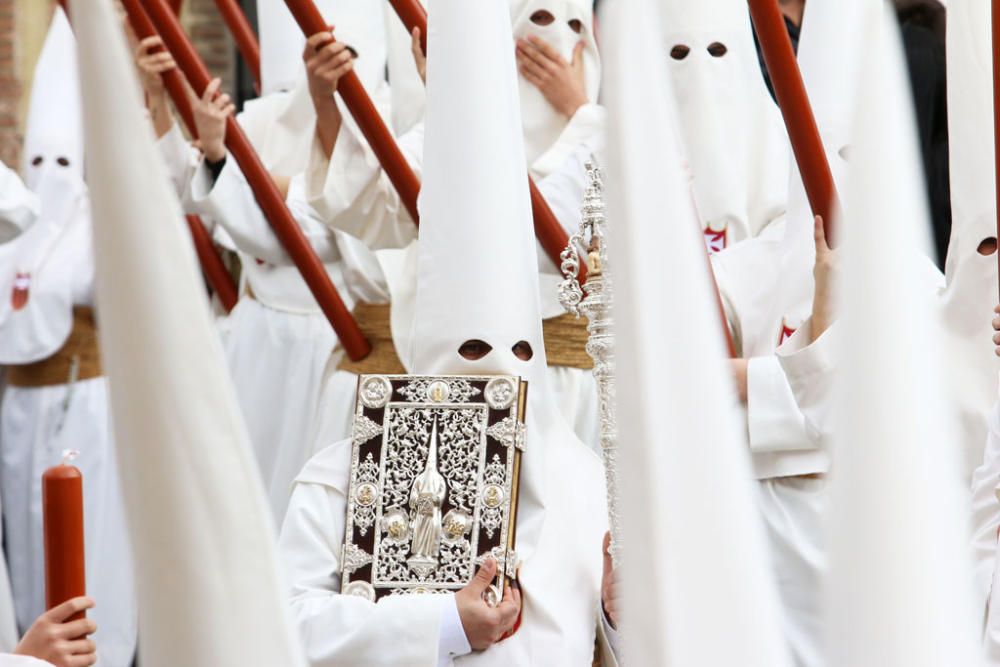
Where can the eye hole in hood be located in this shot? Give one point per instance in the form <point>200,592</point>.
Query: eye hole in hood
<point>680,51</point>
<point>717,49</point>
<point>987,246</point>
<point>475,349</point>
<point>542,17</point>
<point>522,350</point>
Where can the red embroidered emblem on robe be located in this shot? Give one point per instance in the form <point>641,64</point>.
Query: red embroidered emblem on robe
<point>786,333</point>
<point>21,291</point>
<point>715,241</point>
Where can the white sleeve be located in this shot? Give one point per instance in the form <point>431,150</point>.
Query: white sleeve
<point>563,189</point>
<point>180,157</point>
<point>352,193</point>
<point>991,635</point>
<point>773,417</point>
<point>19,206</point>
<point>986,509</point>
<point>809,368</point>
<point>343,630</point>
<point>452,642</point>
<point>230,202</point>
<point>610,635</point>
<point>8,660</point>
<point>586,126</point>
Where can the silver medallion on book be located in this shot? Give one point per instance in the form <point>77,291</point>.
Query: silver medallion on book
<point>434,480</point>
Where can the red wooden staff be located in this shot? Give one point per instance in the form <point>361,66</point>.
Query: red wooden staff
<point>243,35</point>
<point>800,122</point>
<point>211,263</point>
<point>62,510</point>
<point>268,197</point>
<point>996,107</point>
<point>365,115</point>
<point>548,231</point>
<point>413,15</point>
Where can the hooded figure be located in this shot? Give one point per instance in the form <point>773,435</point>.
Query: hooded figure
<point>56,398</point>
<point>971,270</point>
<point>731,130</point>
<point>767,287</point>
<point>278,343</point>
<point>352,194</point>
<point>477,280</point>
<point>550,137</point>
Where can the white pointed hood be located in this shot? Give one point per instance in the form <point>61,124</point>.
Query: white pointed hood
<point>708,603</point>
<point>477,270</point>
<point>477,279</point>
<point>900,579</point>
<point>53,139</point>
<point>200,528</point>
<point>357,22</point>
<point>542,124</point>
<point>42,270</point>
<point>731,130</point>
<point>971,292</point>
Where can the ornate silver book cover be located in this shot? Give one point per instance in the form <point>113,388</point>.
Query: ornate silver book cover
<point>434,482</point>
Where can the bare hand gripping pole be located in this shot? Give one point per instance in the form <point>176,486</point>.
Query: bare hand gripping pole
<point>268,197</point>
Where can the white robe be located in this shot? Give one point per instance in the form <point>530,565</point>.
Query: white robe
<point>787,457</point>
<point>21,661</point>
<point>19,206</point>
<point>18,210</point>
<point>404,631</point>
<point>31,441</point>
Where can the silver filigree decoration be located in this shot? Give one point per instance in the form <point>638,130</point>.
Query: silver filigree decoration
<point>364,514</point>
<point>406,450</point>
<point>355,558</point>
<point>361,589</point>
<point>507,564</point>
<point>365,429</point>
<point>459,391</point>
<point>509,432</point>
<point>497,554</point>
<point>494,483</point>
<point>395,526</point>
<point>594,299</point>
<point>376,392</point>
<point>418,590</point>
<point>500,393</point>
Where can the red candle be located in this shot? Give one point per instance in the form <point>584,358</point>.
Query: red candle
<point>62,509</point>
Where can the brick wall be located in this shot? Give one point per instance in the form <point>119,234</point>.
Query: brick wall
<point>202,22</point>
<point>10,85</point>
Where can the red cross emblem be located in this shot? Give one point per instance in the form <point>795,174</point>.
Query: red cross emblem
<point>715,241</point>
<point>786,333</point>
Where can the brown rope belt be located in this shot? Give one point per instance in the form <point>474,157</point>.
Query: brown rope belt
<point>81,345</point>
<point>565,342</point>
